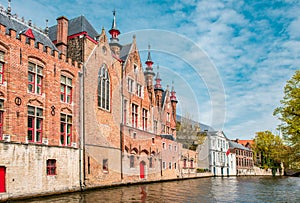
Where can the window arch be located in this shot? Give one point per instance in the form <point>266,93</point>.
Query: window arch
<point>103,88</point>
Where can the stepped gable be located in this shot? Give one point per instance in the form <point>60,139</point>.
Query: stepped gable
<point>22,28</point>
<point>76,25</point>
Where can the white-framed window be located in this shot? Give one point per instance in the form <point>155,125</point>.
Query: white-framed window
<point>139,90</point>
<point>170,147</point>
<point>175,148</point>
<point>145,119</point>
<point>103,88</point>
<point>130,83</point>
<point>35,78</point>
<point>170,165</point>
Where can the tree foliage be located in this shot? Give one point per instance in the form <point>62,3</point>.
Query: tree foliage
<point>188,133</point>
<point>270,148</point>
<point>289,114</point>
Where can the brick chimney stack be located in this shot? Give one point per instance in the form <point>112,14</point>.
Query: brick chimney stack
<point>62,34</point>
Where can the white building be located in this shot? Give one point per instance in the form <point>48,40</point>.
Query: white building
<point>212,153</point>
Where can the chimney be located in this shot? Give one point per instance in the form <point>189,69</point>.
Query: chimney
<point>62,34</point>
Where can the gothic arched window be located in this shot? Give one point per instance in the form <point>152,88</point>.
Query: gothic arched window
<point>103,88</point>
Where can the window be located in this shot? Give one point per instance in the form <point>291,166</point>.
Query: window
<point>164,145</point>
<point>134,115</point>
<point>139,90</point>
<point>105,165</point>
<point>170,147</point>
<point>192,163</point>
<point>51,167</point>
<point>170,165</point>
<point>184,163</point>
<point>175,165</point>
<point>164,165</point>
<point>35,124</point>
<point>168,117</point>
<point>1,67</point>
<point>65,129</point>
<point>150,162</point>
<point>65,89</point>
<point>155,127</point>
<point>131,161</point>
<point>130,85</point>
<point>1,118</point>
<point>35,77</point>
<point>103,88</point>
<point>145,119</point>
<point>168,130</point>
<point>125,112</point>
<point>153,140</point>
<point>175,148</point>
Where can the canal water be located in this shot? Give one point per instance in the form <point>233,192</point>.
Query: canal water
<point>227,189</point>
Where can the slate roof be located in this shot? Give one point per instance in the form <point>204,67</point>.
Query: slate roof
<point>203,127</point>
<point>125,49</point>
<point>21,27</point>
<point>167,136</point>
<point>237,146</point>
<point>76,25</point>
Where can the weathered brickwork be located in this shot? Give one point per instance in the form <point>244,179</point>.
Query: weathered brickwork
<point>23,156</point>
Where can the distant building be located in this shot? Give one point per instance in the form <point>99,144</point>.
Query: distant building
<point>244,158</point>
<point>212,153</point>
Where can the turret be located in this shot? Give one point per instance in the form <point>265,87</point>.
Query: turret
<point>114,40</point>
<point>149,74</point>
<point>158,90</point>
<point>173,101</point>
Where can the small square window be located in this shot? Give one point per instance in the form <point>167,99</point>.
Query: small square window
<point>51,167</point>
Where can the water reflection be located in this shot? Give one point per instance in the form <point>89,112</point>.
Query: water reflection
<point>232,189</point>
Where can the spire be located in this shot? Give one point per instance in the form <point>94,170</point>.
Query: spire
<point>157,80</point>
<point>173,93</point>
<point>114,30</point>
<point>9,8</point>
<point>47,28</point>
<point>149,61</point>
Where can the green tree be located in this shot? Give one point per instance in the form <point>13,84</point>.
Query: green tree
<point>189,132</point>
<point>270,148</point>
<point>289,114</point>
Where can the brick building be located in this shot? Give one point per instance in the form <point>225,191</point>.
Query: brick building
<point>39,112</point>
<point>244,158</point>
<point>77,110</point>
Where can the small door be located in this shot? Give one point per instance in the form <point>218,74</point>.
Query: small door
<point>2,179</point>
<point>142,169</point>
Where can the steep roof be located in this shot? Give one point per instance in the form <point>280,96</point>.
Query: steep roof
<point>76,25</point>
<point>237,146</point>
<point>21,27</point>
<point>125,51</point>
<point>202,126</point>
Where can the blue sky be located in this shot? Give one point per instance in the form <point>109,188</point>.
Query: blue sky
<point>229,59</point>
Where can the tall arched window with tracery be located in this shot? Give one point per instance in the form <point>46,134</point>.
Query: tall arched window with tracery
<point>103,88</point>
